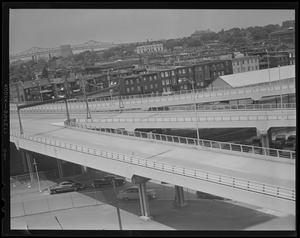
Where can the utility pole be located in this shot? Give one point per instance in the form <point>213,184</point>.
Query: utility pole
<point>117,205</point>
<point>88,113</point>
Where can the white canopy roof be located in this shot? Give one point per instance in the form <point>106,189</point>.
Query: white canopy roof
<point>259,76</point>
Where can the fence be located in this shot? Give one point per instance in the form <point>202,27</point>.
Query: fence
<point>192,141</point>
<point>197,175</point>
<point>25,178</point>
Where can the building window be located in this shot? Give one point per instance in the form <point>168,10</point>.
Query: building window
<point>137,80</point>
<point>156,85</point>
<point>151,86</point>
<point>127,81</point>
<point>166,74</point>
<point>167,81</point>
<point>132,89</point>
<point>155,77</point>
<point>139,88</point>
<point>131,81</point>
<point>128,90</point>
<point>162,74</point>
<point>146,87</point>
<point>185,86</point>
<point>150,78</point>
<point>173,73</point>
<point>183,71</point>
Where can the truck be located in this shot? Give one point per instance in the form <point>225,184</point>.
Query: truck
<point>108,181</point>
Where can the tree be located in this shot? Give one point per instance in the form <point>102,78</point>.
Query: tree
<point>45,73</point>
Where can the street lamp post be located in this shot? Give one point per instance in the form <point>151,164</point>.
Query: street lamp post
<point>195,105</point>
<point>268,67</point>
<point>108,79</point>
<point>37,174</point>
<point>88,113</point>
<point>281,103</point>
<point>21,128</point>
<point>117,205</point>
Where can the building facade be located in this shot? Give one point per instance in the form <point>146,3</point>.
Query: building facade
<point>150,48</point>
<point>283,36</point>
<point>245,64</point>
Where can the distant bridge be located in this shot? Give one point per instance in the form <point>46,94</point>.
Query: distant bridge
<point>36,51</point>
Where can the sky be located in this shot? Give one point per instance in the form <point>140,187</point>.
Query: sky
<point>49,28</point>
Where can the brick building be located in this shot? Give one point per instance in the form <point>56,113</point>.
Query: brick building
<point>245,64</point>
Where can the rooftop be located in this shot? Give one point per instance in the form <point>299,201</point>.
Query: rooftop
<point>259,76</point>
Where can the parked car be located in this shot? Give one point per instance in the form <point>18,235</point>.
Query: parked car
<point>65,186</point>
<point>108,181</point>
<point>290,146</point>
<point>167,93</point>
<point>291,138</point>
<point>280,140</point>
<point>132,193</point>
<point>256,141</point>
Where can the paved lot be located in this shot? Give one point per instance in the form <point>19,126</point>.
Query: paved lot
<point>88,214</point>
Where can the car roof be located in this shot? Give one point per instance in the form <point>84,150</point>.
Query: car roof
<point>67,181</point>
<point>289,143</point>
<point>133,187</point>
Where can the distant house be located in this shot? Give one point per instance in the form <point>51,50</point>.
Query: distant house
<point>198,34</point>
<point>244,64</point>
<point>150,48</point>
<point>283,36</point>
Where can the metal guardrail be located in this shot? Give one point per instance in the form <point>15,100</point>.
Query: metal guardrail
<point>200,93</point>
<point>192,118</point>
<point>226,107</point>
<point>270,152</point>
<point>94,107</point>
<point>238,183</point>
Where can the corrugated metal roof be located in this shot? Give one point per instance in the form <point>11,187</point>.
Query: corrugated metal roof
<point>259,76</point>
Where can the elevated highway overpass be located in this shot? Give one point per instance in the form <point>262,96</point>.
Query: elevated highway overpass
<point>255,92</point>
<point>265,183</point>
<point>262,120</point>
<point>261,117</point>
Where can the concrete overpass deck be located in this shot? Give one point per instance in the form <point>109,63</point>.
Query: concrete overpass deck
<point>231,176</point>
<point>262,120</point>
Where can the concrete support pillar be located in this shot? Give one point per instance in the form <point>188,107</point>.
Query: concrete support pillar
<point>29,159</point>
<point>141,182</point>
<point>179,197</point>
<point>264,137</point>
<point>84,169</point>
<point>150,135</point>
<point>60,169</point>
<point>24,161</point>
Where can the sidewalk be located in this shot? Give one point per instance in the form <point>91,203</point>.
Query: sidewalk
<point>101,217</point>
